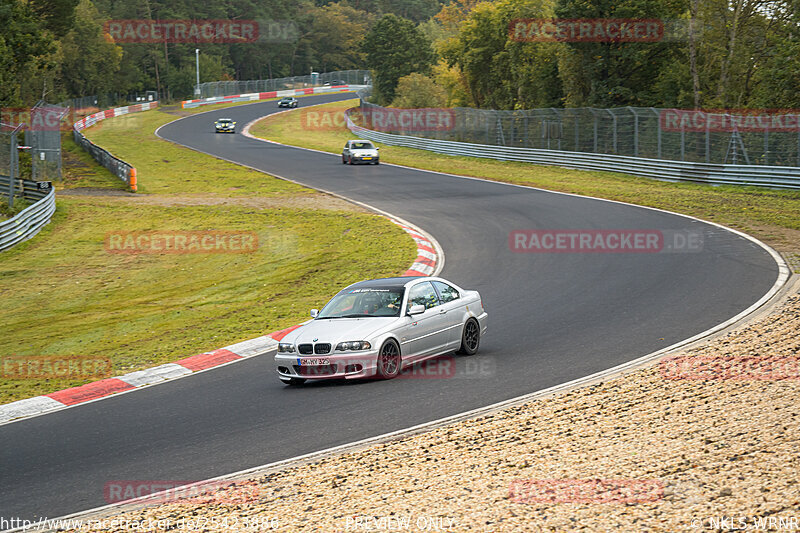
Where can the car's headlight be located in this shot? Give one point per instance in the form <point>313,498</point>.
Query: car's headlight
<point>285,347</point>
<point>353,346</point>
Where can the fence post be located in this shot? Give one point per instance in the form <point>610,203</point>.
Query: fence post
<point>12,170</point>
<point>658,131</point>
<point>635,132</point>
<point>577,131</point>
<point>614,120</point>
<point>683,142</point>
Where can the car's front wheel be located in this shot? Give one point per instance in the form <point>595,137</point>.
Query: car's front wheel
<point>389,360</point>
<point>292,381</point>
<point>470,338</point>
<point>350,160</point>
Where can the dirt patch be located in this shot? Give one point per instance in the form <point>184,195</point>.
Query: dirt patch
<point>319,201</point>
<point>95,191</point>
<point>786,240</point>
<point>174,110</point>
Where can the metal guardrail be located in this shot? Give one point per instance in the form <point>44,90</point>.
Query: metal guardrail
<point>117,166</point>
<point>254,97</point>
<point>32,219</point>
<point>211,89</point>
<point>662,169</point>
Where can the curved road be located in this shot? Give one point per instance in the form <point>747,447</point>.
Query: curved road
<point>552,318</point>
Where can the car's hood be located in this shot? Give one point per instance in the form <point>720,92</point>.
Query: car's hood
<point>338,330</point>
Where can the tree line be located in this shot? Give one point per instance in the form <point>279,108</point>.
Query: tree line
<point>713,54</point>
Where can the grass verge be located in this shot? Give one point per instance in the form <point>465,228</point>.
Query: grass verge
<point>65,295</point>
<point>770,215</point>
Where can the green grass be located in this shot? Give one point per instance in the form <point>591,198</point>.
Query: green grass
<point>79,169</point>
<point>172,169</point>
<point>7,212</point>
<point>771,215</point>
<point>64,294</point>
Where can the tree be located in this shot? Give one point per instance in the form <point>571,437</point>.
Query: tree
<point>24,45</point>
<point>335,34</point>
<point>90,61</point>
<point>416,91</point>
<point>395,48</point>
<point>498,71</point>
<point>610,74</point>
<point>57,16</point>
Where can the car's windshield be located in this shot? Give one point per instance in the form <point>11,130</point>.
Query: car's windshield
<point>225,120</point>
<point>364,302</point>
<point>363,146</point>
<point>286,99</point>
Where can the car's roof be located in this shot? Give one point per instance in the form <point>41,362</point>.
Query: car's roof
<point>386,283</point>
<point>361,141</point>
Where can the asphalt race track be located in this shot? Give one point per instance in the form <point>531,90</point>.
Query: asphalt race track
<point>552,318</point>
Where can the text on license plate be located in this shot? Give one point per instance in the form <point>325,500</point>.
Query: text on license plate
<point>314,361</point>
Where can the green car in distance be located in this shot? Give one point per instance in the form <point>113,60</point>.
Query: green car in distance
<point>225,125</point>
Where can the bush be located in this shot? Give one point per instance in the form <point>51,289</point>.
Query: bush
<point>417,90</point>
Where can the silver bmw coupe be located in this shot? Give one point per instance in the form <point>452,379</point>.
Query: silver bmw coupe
<point>376,328</point>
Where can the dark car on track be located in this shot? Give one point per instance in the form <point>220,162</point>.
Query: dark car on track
<point>225,125</point>
<point>288,101</point>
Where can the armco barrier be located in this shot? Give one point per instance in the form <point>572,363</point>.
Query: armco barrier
<point>32,219</point>
<point>762,176</point>
<point>253,97</point>
<point>118,167</point>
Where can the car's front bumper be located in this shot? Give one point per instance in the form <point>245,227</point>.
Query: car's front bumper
<point>353,365</point>
<point>366,159</point>
<point>226,130</point>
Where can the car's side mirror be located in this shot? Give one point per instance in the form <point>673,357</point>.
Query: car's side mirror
<point>314,313</point>
<point>416,309</point>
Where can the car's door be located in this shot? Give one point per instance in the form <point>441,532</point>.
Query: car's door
<point>454,308</point>
<point>425,333</point>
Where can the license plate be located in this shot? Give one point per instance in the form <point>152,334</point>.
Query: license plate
<point>314,361</point>
<point>366,158</point>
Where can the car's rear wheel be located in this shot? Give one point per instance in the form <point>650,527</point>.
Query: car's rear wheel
<point>292,381</point>
<point>344,161</point>
<point>470,338</point>
<point>389,360</point>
